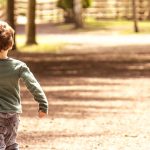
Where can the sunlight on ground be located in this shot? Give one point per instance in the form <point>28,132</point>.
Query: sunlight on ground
<point>91,117</point>
<point>44,45</point>
<point>97,101</point>
<point>51,41</point>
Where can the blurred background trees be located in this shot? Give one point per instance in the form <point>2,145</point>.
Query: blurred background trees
<point>76,12</point>
<point>58,11</point>
<point>71,10</point>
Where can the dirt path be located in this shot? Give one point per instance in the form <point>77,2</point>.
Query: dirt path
<point>98,90</point>
<point>98,100</point>
<point>87,38</point>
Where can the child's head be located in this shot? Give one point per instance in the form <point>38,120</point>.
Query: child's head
<point>6,36</point>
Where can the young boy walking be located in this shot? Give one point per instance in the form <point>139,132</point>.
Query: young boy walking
<point>11,71</point>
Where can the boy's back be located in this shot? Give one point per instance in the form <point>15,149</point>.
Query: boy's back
<point>11,71</point>
<point>9,76</point>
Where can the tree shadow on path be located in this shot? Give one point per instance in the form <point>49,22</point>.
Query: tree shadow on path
<point>67,70</point>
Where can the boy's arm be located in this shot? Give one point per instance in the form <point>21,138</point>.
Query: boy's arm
<point>35,88</point>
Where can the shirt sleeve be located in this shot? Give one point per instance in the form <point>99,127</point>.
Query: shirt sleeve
<point>34,87</point>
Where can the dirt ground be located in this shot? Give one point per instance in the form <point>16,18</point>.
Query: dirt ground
<point>98,100</point>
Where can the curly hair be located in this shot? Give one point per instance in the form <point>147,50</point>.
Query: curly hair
<point>6,36</point>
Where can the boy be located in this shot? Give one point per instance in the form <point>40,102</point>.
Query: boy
<point>11,70</point>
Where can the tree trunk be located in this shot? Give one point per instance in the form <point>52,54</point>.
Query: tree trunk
<point>69,16</point>
<point>30,26</point>
<point>78,19</point>
<point>135,20</point>
<point>10,17</point>
<point>148,17</point>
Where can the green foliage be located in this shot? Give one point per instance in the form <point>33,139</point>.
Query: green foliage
<point>65,4</point>
<point>86,3</point>
<point>68,4</point>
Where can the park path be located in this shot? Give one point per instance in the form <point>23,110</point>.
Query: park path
<point>97,101</point>
<point>90,114</point>
<point>86,39</point>
<point>98,97</point>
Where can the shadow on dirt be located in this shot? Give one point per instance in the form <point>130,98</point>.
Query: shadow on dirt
<point>75,69</point>
<point>104,65</point>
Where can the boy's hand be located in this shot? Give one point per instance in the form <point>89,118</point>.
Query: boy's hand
<point>42,114</point>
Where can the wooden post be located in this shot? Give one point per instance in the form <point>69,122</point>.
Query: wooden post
<point>11,18</point>
<point>77,7</point>
<point>135,20</point>
<point>31,27</point>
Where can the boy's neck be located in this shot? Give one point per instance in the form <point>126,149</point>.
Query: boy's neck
<point>3,55</point>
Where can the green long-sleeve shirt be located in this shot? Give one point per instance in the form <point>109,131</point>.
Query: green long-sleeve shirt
<point>11,71</point>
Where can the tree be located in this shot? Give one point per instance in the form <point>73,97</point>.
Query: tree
<point>10,17</point>
<point>30,26</point>
<point>135,20</point>
<point>148,10</point>
<point>68,7</point>
<point>77,8</point>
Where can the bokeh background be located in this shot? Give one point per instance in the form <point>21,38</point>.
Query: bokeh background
<point>92,59</point>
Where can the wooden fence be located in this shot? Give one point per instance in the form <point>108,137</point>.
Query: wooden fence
<point>47,10</point>
<point>118,9</point>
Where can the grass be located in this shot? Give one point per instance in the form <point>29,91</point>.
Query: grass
<point>119,26</point>
<point>50,44</point>
<point>91,22</point>
<point>40,48</point>
<point>44,45</point>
